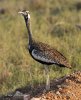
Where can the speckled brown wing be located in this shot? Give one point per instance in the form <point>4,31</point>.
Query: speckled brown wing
<point>44,53</point>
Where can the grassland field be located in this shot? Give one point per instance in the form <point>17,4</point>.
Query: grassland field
<point>55,22</point>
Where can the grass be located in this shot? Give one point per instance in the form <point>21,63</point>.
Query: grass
<point>53,22</point>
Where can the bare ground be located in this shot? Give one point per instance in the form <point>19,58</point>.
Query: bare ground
<point>64,88</point>
<point>70,89</point>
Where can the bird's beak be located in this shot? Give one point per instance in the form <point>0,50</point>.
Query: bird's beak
<point>20,12</point>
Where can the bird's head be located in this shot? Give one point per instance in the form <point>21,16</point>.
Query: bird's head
<point>25,14</point>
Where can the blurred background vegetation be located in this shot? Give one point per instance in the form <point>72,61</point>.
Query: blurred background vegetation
<point>55,22</point>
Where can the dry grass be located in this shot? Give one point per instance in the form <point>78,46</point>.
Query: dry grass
<point>53,22</point>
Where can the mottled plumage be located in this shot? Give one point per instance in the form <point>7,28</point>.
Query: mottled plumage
<point>47,55</point>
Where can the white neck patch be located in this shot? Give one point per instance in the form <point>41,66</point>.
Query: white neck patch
<point>28,16</point>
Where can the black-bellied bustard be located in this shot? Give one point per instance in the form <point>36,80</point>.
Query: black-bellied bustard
<point>42,52</point>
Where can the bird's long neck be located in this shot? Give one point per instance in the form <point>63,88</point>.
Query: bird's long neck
<point>29,31</point>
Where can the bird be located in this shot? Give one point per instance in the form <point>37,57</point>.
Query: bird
<point>42,52</point>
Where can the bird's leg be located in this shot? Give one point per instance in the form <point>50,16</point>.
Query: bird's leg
<point>47,78</point>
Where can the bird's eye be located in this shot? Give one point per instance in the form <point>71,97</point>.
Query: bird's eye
<point>27,12</point>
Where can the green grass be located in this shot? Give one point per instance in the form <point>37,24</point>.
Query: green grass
<point>53,22</point>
